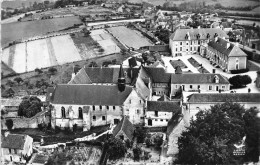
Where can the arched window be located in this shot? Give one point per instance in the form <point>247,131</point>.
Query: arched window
<point>63,115</point>
<point>80,113</point>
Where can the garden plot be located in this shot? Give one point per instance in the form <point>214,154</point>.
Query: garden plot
<point>109,46</point>
<point>131,38</point>
<point>19,60</point>
<point>37,55</point>
<point>65,50</point>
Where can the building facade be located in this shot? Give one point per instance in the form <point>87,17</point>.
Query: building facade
<point>188,41</point>
<point>226,55</point>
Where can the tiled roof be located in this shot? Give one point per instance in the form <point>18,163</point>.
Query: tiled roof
<point>126,126</point>
<point>224,97</point>
<point>221,46</point>
<point>110,75</point>
<point>89,94</point>
<point>13,141</point>
<point>179,34</point>
<point>11,102</point>
<point>164,98</point>
<point>197,78</point>
<point>80,78</point>
<point>163,106</point>
<point>158,75</point>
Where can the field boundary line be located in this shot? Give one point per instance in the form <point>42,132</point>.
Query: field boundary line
<point>53,59</point>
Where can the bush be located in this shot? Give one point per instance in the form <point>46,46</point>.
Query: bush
<point>240,81</point>
<point>52,70</point>
<point>137,152</point>
<point>9,124</point>
<point>57,129</point>
<point>140,134</point>
<point>239,71</point>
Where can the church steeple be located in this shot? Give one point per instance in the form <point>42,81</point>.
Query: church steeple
<point>121,80</point>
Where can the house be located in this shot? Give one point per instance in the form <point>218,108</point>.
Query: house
<point>124,129</point>
<point>226,26</point>
<point>158,113</point>
<point>198,82</point>
<point>202,101</point>
<point>189,41</point>
<point>226,55</point>
<point>9,107</point>
<point>14,147</point>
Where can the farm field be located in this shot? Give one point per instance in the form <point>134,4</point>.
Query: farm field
<point>130,38</point>
<point>42,53</point>
<point>22,30</point>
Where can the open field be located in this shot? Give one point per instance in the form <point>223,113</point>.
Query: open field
<point>42,53</point>
<point>131,38</point>
<point>22,30</point>
<point>225,3</point>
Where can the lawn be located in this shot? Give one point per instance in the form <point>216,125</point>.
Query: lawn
<point>176,63</point>
<point>129,37</point>
<point>22,30</point>
<point>194,62</point>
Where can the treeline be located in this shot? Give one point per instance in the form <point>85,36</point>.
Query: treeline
<point>64,3</point>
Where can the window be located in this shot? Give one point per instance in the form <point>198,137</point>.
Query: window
<point>63,115</point>
<point>107,107</point>
<point>130,101</point>
<point>103,118</point>
<point>190,86</point>
<point>187,49</point>
<point>80,113</point>
<point>10,151</point>
<point>137,111</point>
<point>15,151</point>
<point>176,49</point>
<point>210,87</point>
<point>191,42</point>
<point>161,119</point>
<point>180,48</point>
<point>94,118</point>
<point>190,48</point>
<point>223,87</point>
<point>140,101</point>
<point>181,43</point>
<point>167,120</point>
<point>198,86</point>
<point>141,117</point>
<point>156,119</point>
<point>114,107</point>
<point>93,107</point>
<point>199,42</point>
<point>100,107</point>
<point>156,113</point>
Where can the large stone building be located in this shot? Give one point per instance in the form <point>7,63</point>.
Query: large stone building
<point>203,101</point>
<point>226,55</point>
<point>92,105</point>
<point>189,41</point>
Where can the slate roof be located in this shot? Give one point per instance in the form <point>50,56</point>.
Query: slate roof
<point>221,46</point>
<point>89,94</point>
<point>197,78</point>
<point>179,34</point>
<point>8,92</point>
<point>126,126</point>
<point>224,97</point>
<point>158,75</point>
<point>142,89</point>
<point>163,106</point>
<point>13,141</point>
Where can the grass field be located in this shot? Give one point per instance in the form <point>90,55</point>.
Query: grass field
<point>23,30</point>
<point>41,54</point>
<point>131,38</point>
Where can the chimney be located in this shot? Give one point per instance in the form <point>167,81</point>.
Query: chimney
<point>228,45</point>
<point>213,70</point>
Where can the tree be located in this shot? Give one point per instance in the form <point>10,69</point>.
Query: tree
<point>210,138</point>
<point>29,107</point>
<point>9,124</point>
<point>52,70</point>
<point>39,71</point>
<point>18,80</point>
<point>158,141</point>
<point>10,83</point>
<point>252,135</point>
<point>137,152</point>
<point>115,147</point>
<point>93,64</point>
<point>140,133</point>
<point>240,80</point>
<point>86,32</point>
<point>41,84</point>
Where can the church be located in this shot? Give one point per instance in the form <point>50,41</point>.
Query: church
<point>87,105</point>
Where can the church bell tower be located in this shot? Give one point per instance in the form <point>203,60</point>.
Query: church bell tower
<point>121,80</point>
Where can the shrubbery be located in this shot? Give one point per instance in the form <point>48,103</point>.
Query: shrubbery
<point>239,71</point>
<point>240,80</point>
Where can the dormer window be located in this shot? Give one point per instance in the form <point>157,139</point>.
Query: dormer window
<point>216,34</point>
<point>216,79</point>
<point>198,36</point>
<point>208,36</point>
